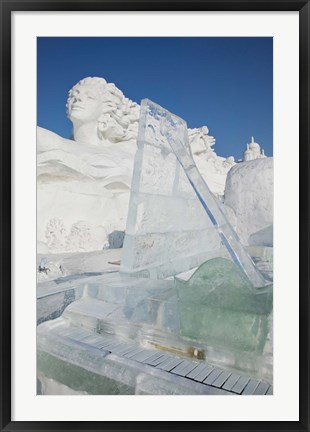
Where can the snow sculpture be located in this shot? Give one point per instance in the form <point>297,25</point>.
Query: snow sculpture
<point>212,167</point>
<point>100,112</point>
<point>88,178</point>
<point>249,192</point>
<point>253,151</point>
<point>200,141</point>
<point>174,222</point>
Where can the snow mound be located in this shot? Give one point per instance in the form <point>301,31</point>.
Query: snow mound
<point>249,192</point>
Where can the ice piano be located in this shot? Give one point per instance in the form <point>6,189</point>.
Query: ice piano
<point>188,313</point>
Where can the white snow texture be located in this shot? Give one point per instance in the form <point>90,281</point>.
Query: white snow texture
<point>83,184</point>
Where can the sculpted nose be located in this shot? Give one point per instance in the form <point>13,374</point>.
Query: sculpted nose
<point>77,96</point>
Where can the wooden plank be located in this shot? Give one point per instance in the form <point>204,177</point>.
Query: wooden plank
<point>66,332</point>
<point>166,362</point>
<point>170,364</point>
<point>104,343</point>
<point>73,333</point>
<point>196,371</point>
<point>158,361</point>
<point>221,379</point>
<point>262,388</point>
<point>82,334</point>
<point>78,334</point>
<point>212,376</point>
<point>126,349</point>
<point>95,341</point>
<point>184,368</point>
<point>143,355</point>
<point>204,373</point>
<point>228,385</point>
<point>250,387</point>
<point>180,367</point>
<point>113,345</point>
<point>133,352</point>
<point>188,369</point>
<point>240,384</point>
<point>155,356</point>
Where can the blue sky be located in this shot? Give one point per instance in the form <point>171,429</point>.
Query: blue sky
<point>224,83</point>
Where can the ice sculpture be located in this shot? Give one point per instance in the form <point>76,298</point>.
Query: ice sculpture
<point>218,304</point>
<point>174,222</point>
<point>122,334</point>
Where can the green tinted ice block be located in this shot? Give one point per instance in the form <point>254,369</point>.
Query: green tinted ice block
<point>220,307</point>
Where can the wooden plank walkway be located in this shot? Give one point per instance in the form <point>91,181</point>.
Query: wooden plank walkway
<point>190,370</point>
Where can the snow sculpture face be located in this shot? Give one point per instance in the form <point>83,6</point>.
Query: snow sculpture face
<point>100,105</point>
<point>85,100</point>
<point>84,105</point>
<point>200,140</point>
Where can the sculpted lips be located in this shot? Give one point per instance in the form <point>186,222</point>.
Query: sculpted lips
<point>77,107</point>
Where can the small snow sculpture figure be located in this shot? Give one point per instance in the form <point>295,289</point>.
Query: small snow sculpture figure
<point>253,151</point>
<point>201,141</point>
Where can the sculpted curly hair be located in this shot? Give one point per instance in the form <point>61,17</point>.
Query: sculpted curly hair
<point>120,115</point>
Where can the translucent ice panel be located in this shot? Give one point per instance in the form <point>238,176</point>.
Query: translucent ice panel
<point>219,305</point>
<point>174,222</point>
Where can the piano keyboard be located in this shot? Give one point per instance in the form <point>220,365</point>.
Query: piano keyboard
<point>202,373</point>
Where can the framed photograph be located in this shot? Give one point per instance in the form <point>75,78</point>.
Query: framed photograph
<point>152,156</point>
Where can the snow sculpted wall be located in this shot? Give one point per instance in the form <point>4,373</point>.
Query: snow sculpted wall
<point>249,192</point>
<point>83,184</point>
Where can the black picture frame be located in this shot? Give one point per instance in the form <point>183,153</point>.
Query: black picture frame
<point>7,7</point>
